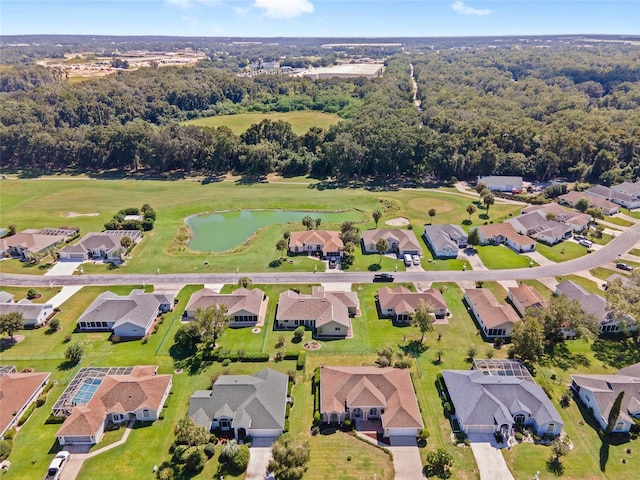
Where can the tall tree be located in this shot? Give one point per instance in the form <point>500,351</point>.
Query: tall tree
<point>290,456</point>
<point>282,246</point>
<point>212,321</point>
<point>563,315</point>
<point>308,222</point>
<point>245,282</point>
<point>382,246</point>
<point>11,322</point>
<point>432,213</point>
<point>481,187</point>
<point>527,340</point>
<point>471,210</point>
<point>581,204</point>
<point>474,237</point>
<point>614,413</point>
<point>376,215</point>
<point>488,199</point>
<point>423,318</point>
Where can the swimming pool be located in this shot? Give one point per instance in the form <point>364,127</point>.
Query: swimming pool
<point>86,391</point>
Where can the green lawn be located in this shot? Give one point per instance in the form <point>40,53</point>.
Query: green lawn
<point>618,221</point>
<point>604,273</point>
<point>20,293</point>
<point>542,289</point>
<point>562,251</point>
<point>635,252</point>
<point>49,203</point>
<point>500,256</point>
<point>301,121</point>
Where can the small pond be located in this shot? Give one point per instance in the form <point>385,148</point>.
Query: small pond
<point>219,232</point>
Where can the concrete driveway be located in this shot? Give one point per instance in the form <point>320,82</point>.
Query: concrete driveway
<point>406,458</point>
<point>490,461</point>
<point>63,268</point>
<point>259,459</point>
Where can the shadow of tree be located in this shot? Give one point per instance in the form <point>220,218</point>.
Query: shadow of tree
<point>415,348</point>
<point>430,471</point>
<point>555,466</point>
<point>604,455</point>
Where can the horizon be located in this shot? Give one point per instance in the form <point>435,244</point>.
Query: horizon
<point>320,18</point>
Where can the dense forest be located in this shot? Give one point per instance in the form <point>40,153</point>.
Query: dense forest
<point>565,110</point>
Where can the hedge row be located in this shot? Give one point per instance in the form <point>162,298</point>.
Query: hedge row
<point>27,413</point>
<point>235,357</point>
<point>302,357</point>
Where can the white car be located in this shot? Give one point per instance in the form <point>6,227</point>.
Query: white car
<point>586,243</point>
<point>416,260</point>
<point>57,464</point>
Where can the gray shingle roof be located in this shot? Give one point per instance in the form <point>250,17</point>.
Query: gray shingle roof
<point>590,302</point>
<point>481,399</point>
<point>136,308</point>
<point>444,236</point>
<point>260,399</point>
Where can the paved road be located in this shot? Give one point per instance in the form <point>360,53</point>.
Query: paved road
<point>618,246</point>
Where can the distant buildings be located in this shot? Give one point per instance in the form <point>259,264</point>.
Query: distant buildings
<point>347,70</point>
<point>498,183</point>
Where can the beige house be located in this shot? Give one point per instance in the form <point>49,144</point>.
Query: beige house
<point>523,296</point>
<point>325,243</point>
<point>400,242</point>
<point>496,319</point>
<point>138,394</point>
<point>371,394</point>
<point>33,241</point>
<point>400,303</point>
<point>504,233</point>
<point>576,220</point>
<point>570,198</point>
<point>19,390</point>
<point>244,306</point>
<point>327,313</point>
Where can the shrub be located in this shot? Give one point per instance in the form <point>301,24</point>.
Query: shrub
<point>32,293</point>
<point>348,424</point>
<point>448,410</point>
<point>519,436</point>
<point>54,324</point>
<point>226,362</point>
<point>291,355</point>
<point>255,357</point>
<point>228,451</point>
<point>5,448</point>
<point>210,450</point>
<point>9,434</point>
<point>565,400</point>
<point>301,360</point>
<point>240,460</point>
<point>144,339</point>
<point>383,361</point>
<point>42,399</point>
<point>195,460</point>
<point>67,338</point>
<point>298,333</point>
<point>74,353</point>
<point>115,339</point>
<point>317,418</point>
<point>27,413</point>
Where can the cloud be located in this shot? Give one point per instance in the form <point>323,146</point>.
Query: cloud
<point>284,8</point>
<point>462,9</point>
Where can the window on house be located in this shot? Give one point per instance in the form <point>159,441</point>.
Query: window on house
<point>146,413</point>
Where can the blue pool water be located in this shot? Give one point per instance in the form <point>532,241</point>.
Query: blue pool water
<point>86,391</point>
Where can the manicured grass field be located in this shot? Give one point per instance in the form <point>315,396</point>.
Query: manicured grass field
<point>618,221</point>
<point>500,256</point>
<point>604,273</point>
<point>562,251</point>
<point>635,252</point>
<point>49,202</point>
<point>301,121</point>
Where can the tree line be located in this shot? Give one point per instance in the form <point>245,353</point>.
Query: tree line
<point>540,113</point>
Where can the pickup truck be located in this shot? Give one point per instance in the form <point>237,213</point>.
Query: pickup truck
<point>56,465</point>
<point>383,277</point>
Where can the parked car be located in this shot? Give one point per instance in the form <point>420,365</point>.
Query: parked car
<point>407,260</point>
<point>586,243</point>
<point>624,266</point>
<point>416,259</point>
<point>577,238</point>
<point>333,262</point>
<point>57,464</point>
<point>383,277</point>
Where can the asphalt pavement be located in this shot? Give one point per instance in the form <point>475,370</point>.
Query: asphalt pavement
<point>610,252</point>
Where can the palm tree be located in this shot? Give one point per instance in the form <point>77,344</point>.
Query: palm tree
<point>488,200</point>
<point>382,246</point>
<point>282,245</point>
<point>376,215</point>
<point>432,213</point>
<point>471,210</point>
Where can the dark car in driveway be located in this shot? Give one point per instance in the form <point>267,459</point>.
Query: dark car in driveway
<point>624,266</point>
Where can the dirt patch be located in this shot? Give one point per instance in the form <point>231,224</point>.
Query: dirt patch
<point>398,222</point>
<point>76,214</point>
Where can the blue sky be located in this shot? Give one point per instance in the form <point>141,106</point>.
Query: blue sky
<point>319,18</point>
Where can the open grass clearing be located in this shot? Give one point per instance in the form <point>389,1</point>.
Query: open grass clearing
<point>561,252</point>
<point>502,257</point>
<point>20,293</point>
<point>301,121</point>
<point>48,200</point>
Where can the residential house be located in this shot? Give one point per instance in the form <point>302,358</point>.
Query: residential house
<point>578,221</point>
<point>597,306</point>
<point>502,183</point>
<point>504,233</point>
<point>129,316</point>
<point>570,198</point>
<point>495,319</point>
<point>250,405</point>
<point>97,400</point>
<point>445,240</point>
<point>400,242</point>
<point>33,241</point>
<point>327,313</point>
<point>325,243</point>
<point>244,307</point>
<point>626,194</point>
<point>34,314</point>
<point>100,245</point>
<point>400,303</point>
<point>372,394</point>
<point>599,392</point>
<point>523,296</point>
<point>536,225</point>
<point>486,403</point>
<point>19,390</point>
<point>622,278</point>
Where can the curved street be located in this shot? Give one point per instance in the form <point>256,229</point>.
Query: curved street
<point>610,252</point>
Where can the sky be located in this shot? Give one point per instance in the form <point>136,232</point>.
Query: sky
<point>319,18</point>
